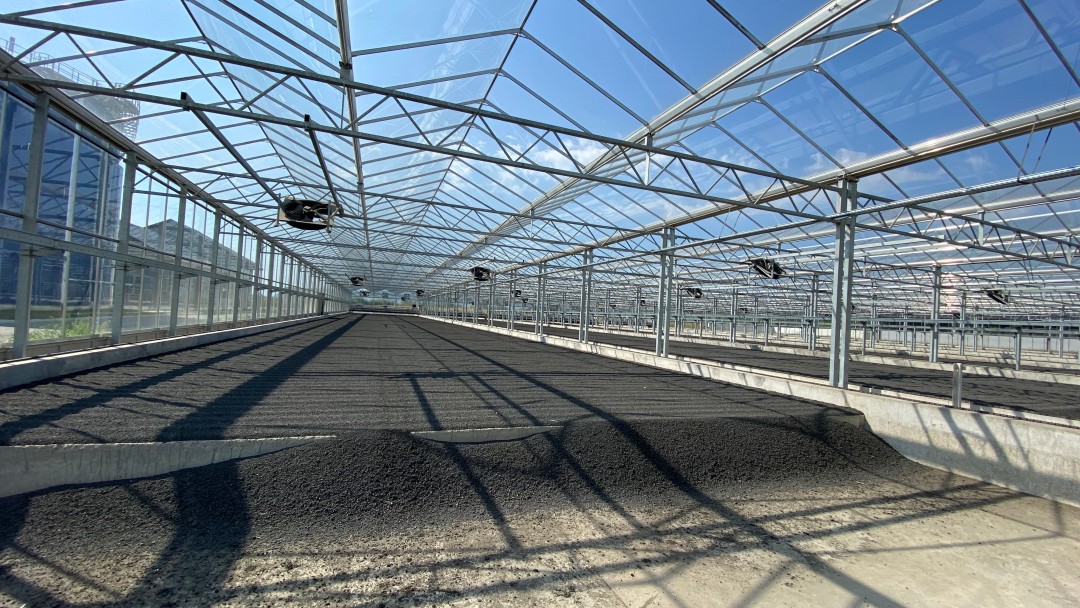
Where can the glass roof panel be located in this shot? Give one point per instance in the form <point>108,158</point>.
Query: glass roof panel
<point>767,24</point>
<point>993,54</point>
<point>465,90</point>
<point>600,54</point>
<point>887,77</point>
<point>1061,20</point>
<point>407,66</point>
<point>244,35</point>
<point>690,37</point>
<point>877,92</point>
<point>421,20</point>
<point>921,179</point>
<point>830,119</point>
<point>508,97</point>
<point>785,150</point>
<point>980,165</point>
<point>552,81</point>
<point>1047,150</point>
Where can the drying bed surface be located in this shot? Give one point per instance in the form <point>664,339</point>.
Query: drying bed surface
<point>658,489</point>
<point>361,372</point>
<point>1061,400</point>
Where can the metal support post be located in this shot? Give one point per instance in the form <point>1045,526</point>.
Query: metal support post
<point>491,302</point>
<point>1019,347</point>
<point>586,295</point>
<point>286,285</point>
<point>679,309</point>
<point>957,384</point>
<point>963,322</point>
<point>119,279</point>
<point>541,298</point>
<point>874,329</point>
<point>607,309</point>
<point>663,298</point>
<point>734,312</point>
<point>813,312</point>
<point>510,301</point>
<point>1061,335</point>
<point>31,197</point>
<point>239,273</point>
<point>844,261</point>
<point>256,275</point>
<point>271,275</point>
<point>637,311</point>
<point>178,259</point>
<point>935,314</point>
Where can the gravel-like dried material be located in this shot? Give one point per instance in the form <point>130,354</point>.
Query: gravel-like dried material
<point>356,373</point>
<point>652,472</point>
<point>388,484</point>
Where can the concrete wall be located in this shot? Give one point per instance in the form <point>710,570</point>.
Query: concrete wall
<point>1032,457</point>
<point>26,371</point>
<point>35,467</point>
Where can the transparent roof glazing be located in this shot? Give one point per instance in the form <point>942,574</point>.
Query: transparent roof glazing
<point>504,133</point>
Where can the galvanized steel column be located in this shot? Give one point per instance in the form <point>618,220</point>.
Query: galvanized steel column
<point>1061,334</point>
<point>31,196</point>
<point>178,259</point>
<point>814,286</point>
<point>491,301</point>
<point>844,262</point>
<point>667,296</point>
<point>255,282</point>
<point>212,297</point>
<point>607,309</point>
<point>873,320</point>
<point>586,295</point>
<point>271,272</point>
<point>240,274</point>
<point>935,314</point>
<point>541,298</point>
<point>119,276</point>
<point>637,311</point>
<point>679,308</point>
<point>734,312</point>
<point>510,300</point>
<point>663,298</point>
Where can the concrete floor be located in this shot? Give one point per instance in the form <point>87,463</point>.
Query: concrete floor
<point>660,490</point>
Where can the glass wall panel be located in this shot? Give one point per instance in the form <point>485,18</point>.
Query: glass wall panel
<point>72,289</point>
<point>16,122</point>
<point>9,266</point>
<point>55,200</point>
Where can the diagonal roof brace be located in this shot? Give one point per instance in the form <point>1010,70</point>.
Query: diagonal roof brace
<point>189,104</point>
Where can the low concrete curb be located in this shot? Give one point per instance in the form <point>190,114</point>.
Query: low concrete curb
<point>27,371</point>
<point>1031,457</point>
<point>981,367</point>
<point>36,467</point>
<point>513,433</point>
